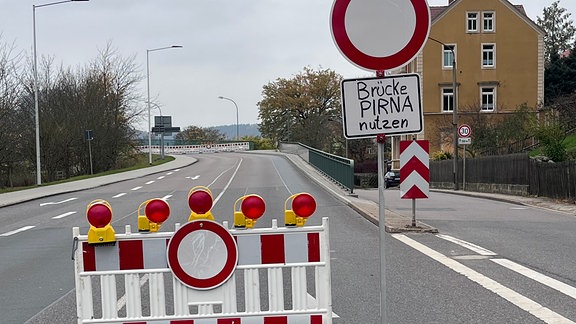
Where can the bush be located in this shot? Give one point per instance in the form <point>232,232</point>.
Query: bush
<point>441,155</point>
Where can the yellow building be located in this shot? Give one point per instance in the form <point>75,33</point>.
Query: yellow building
<point>499,56</point>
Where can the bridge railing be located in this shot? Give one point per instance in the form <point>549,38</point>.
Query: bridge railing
<point>337,168</point>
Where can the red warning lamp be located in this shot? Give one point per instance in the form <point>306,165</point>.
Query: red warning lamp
<point>251,208</point>
<point>303,206</point>
<point>157,211</point>
<point>151,214</point>
<point>200,203</point>
<point>99,215</point>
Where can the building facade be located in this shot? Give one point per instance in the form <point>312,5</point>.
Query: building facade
<point>499,56</point>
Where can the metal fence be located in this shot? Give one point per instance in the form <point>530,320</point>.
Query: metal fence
<point>337,168</point>
<point>509,174</point>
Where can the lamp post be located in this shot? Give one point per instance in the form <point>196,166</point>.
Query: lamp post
<point>454,112</point>
<point>235,105</point>
<point>36,108</point>
<point>148,91</point>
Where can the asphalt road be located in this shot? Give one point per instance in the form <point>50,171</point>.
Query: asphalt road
<point>492,262</point>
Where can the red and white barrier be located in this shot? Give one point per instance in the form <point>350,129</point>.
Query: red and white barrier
<point>131,281</point>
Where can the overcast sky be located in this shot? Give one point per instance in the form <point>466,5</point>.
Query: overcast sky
<point>231,48</point>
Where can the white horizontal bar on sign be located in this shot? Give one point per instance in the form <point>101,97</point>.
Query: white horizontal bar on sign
<point>122,272</point>
<point>281,265</point>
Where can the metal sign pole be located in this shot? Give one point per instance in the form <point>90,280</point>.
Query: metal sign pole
<point>382,226</point>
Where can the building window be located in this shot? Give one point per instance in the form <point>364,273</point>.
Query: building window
<point>488,21</point>
<point>447,99</point>
<point>488,95</point>
<point>448,56</point>
<point>472,22</point>
<point>488,55</point>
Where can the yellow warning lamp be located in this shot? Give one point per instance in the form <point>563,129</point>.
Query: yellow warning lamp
<point>200,202</point>
<point>99,215</point>
<point>303,206</point>
<point>156,211</point>
<point>251,208</point>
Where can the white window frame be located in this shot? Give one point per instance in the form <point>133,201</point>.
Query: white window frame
<point>447,58</point>
<point>491,20</point>
<point>490,52</point>
<point>472,23</point>
<point>447,99</point>
<point>487,92</point>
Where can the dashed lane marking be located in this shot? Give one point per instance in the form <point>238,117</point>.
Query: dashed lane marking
<point>16,231</point>
<point>58,202</point>
<point>64,215</point>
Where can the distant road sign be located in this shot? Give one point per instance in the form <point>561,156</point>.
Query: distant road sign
<point>380,35</point>
<point>389,105</point>
<point>464,130</point>
<point>165,129</point>
<point>464,141</point>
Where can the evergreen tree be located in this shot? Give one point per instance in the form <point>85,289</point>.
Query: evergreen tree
<point>559,30</point>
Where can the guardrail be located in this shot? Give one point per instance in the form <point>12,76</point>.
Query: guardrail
<point>337,168</point>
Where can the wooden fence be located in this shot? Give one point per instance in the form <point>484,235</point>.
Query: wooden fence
<point>509,174</point>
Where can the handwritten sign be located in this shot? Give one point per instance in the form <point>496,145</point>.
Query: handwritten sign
<point>389,105</point>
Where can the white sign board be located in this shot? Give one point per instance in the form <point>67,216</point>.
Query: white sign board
<point>389,105</point>
<point>464,141</point>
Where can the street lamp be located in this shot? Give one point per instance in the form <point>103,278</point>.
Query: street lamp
<point>148,90</point>
<point>36,109</point>
<point>235,105</point>
<point>454,112</point>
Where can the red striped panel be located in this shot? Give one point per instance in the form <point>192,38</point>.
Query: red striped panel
<point>415,165</point>
<point>229,321</point>
<point>88,257</point>
<point>313,247</point>
<point>182,322</point>
<point>272,247</point>
<point>316,319</point>
<point>276,320</point>
<point>131,255</point>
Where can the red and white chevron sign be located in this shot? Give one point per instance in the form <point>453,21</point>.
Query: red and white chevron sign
<point>414,169</point>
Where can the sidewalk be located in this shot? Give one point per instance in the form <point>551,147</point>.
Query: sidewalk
<point>20,196</point>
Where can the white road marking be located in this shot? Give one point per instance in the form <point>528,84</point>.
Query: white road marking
<point>169,173</point>
<point>119,195</point>
<point>470,246</point>
<point>136,188</point>
<point>166,197</point>
<point>161,177</point>
<point>228,184</point>
<point>532,307</point>
<point>59,202</point>
<point>196,177</point>
<point>543,279</point>
<point>150,182</point>
<point>21,229</point>
<point>64,215</point>
<point>176,170</point>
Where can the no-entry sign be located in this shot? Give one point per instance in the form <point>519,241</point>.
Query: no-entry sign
<point>380,35</point>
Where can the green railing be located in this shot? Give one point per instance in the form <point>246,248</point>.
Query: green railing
<point>337,168</point>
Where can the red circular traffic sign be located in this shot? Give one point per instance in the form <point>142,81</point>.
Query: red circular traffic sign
<point>464,130</point>
<point>202,254</point>
<point>375,37</point>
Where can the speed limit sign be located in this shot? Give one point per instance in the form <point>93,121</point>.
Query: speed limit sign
<point>464,130</point>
